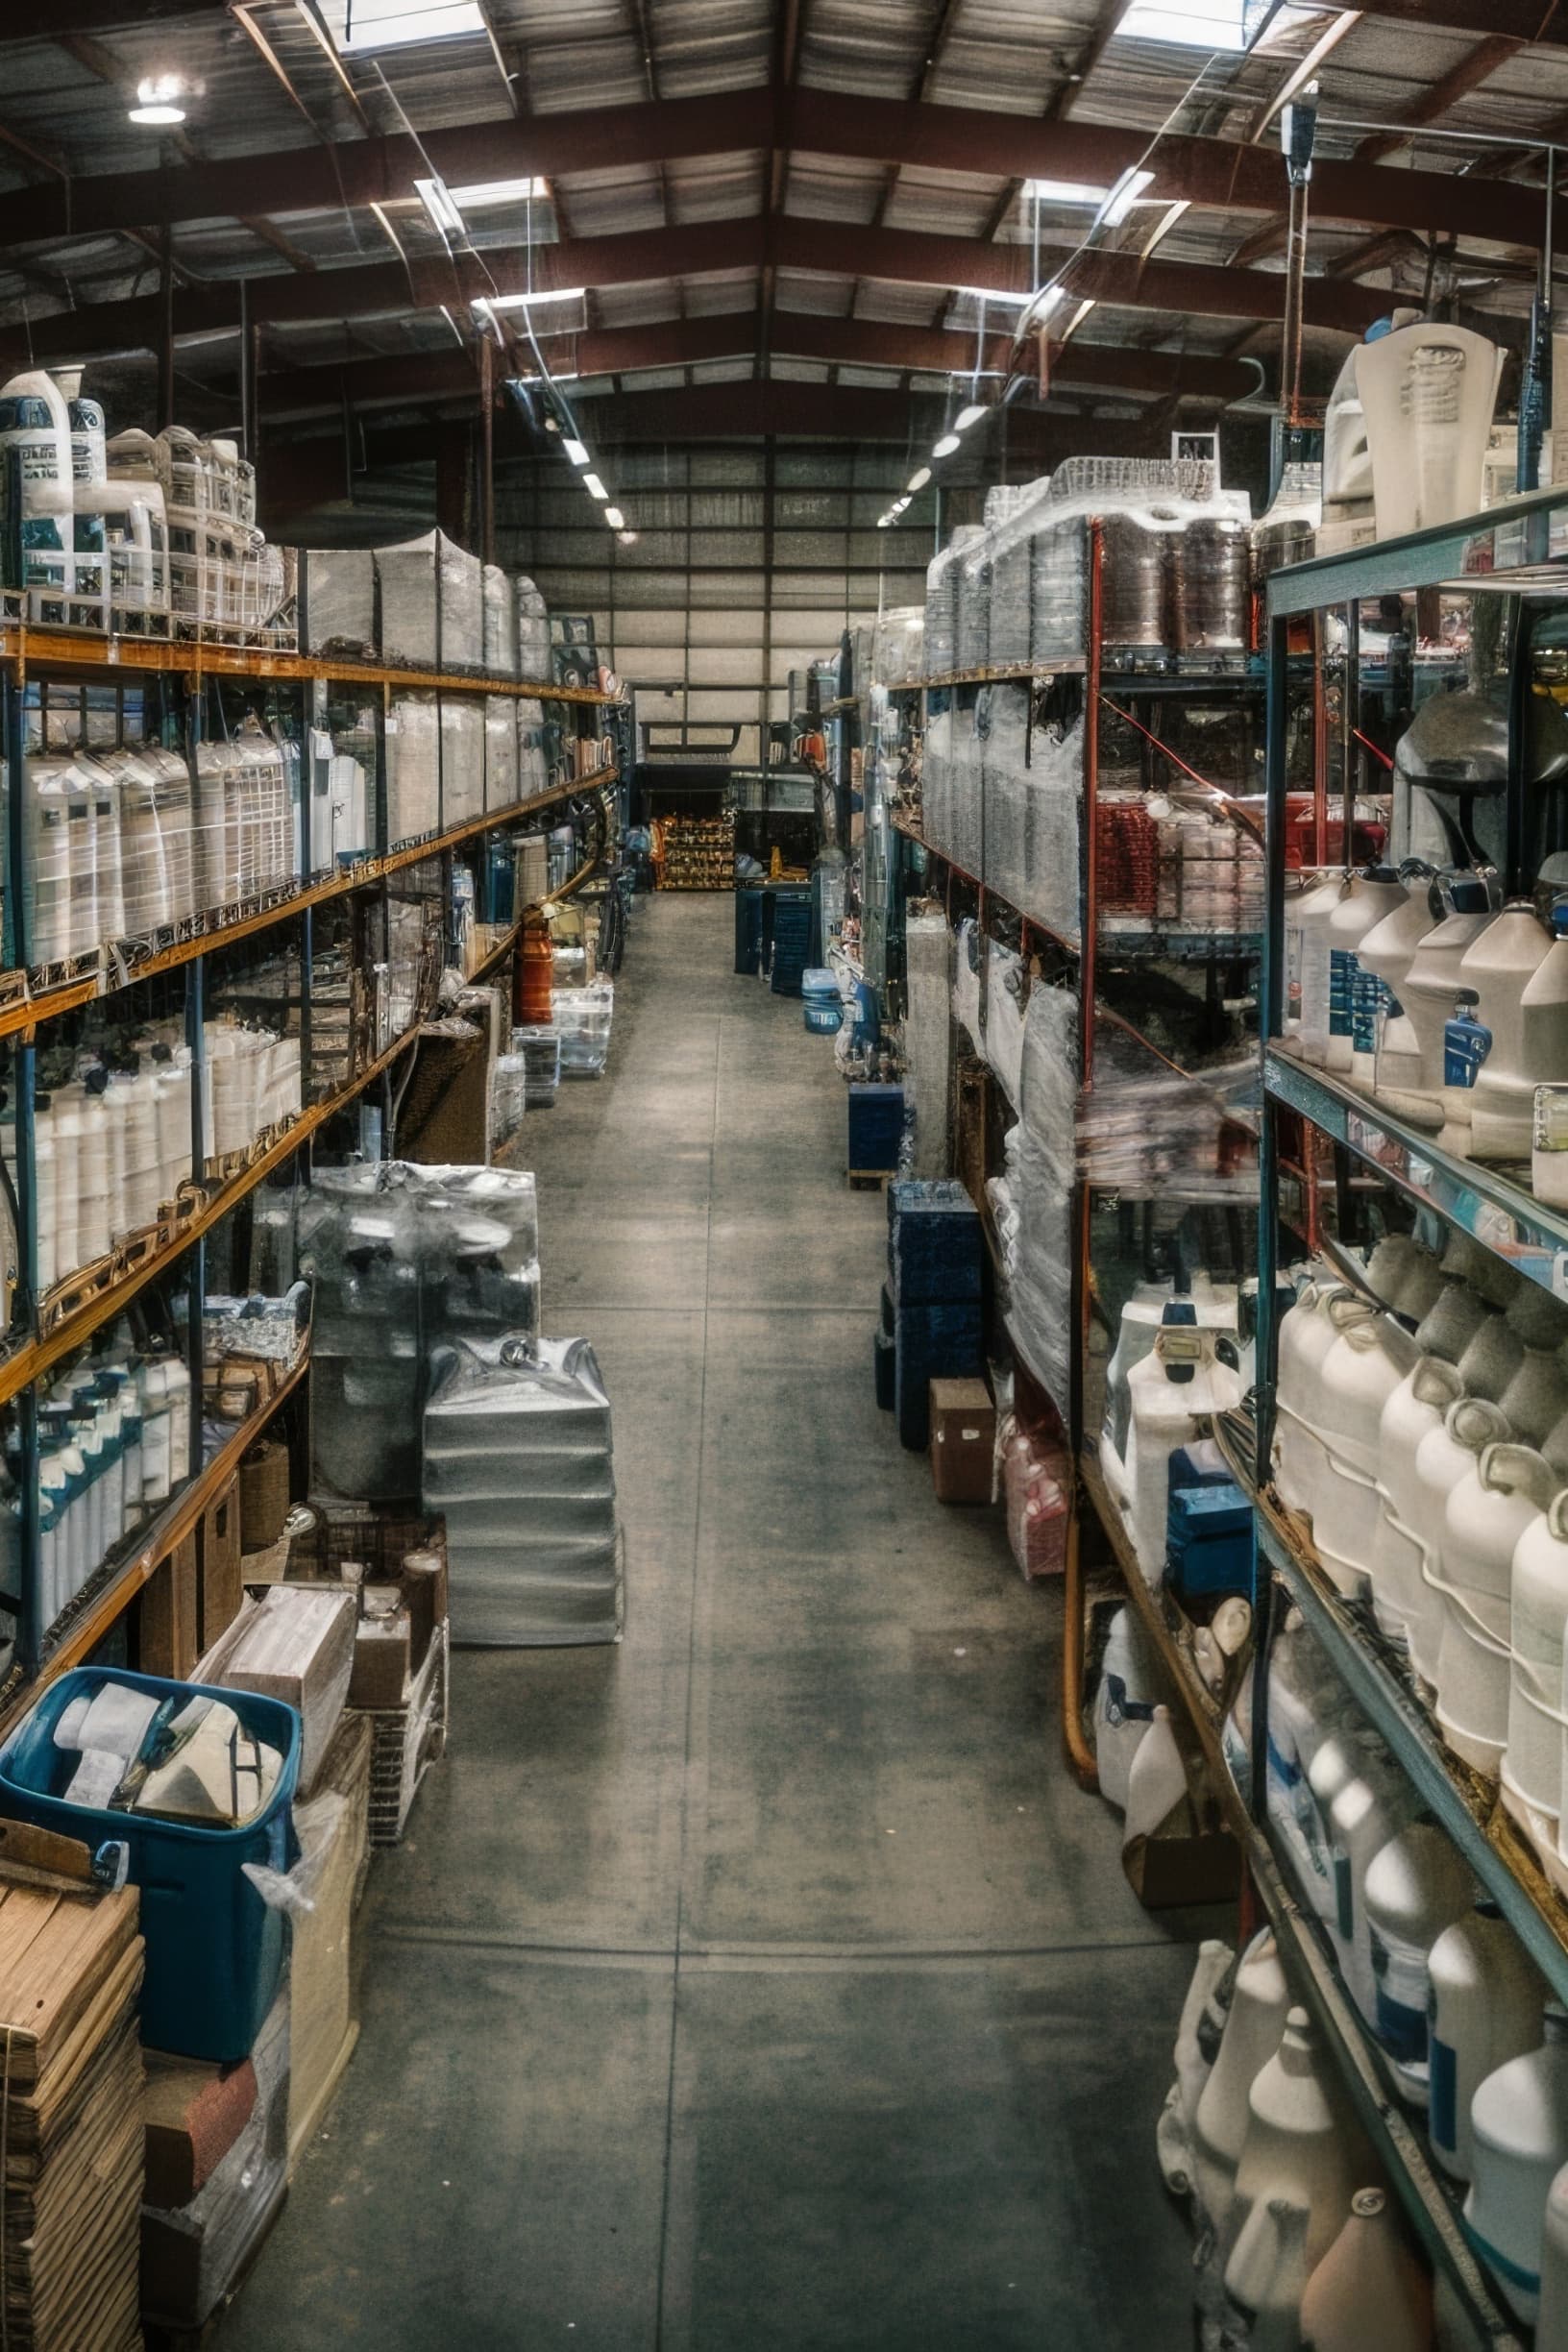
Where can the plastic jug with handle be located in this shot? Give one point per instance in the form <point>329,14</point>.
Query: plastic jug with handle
<point>1485,2008</point>
<point>1183,1381</point>
<point>1487,1513</point>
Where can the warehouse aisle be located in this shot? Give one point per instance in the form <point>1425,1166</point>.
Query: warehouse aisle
<point>763,1983</point>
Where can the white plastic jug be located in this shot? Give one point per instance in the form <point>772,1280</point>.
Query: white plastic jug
<point>1493,1357</point>
<point>1406,1276</point>
<point>1371,1807</point>
<point>1536,1397</point>
<point>1360,1372</point>
<point>1415,1090</point>
<point>1442,1458</point>
<point>1519,2120</point>
<point>1388,951</point>
<point>1532,1771</point>
<point>1487,2003</point>
<point>1266,2275</point>
<point>1414,1410</point>
<point>1156,1782</point>
<point>1260,1999</point>
<point>1300,2145</point>
<point>1487,1512</point>
<point>1308,1334</point>
<point>1551,2321</point>
<point>1365,901</point>
<point>1201,2025</point>
<point>1180,1382</point>
<point>1306,925</point>
<point>1214,1306</point>
<point>1416,1886</point>
<point>1369,2290</point>
<point>1129,1691</point>
<point>1341,1755</point>
<point>1529,1049</point>
<point>1427,393</point>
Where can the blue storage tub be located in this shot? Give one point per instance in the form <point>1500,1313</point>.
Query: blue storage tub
<point>823,1020</point>
<point>215,1952</point>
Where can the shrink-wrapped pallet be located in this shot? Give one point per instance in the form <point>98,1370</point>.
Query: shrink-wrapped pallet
<point>413,769</point>
<point>500,623</point>
<point>338,601</point>
<point>462,759</point>
<point>500,752</point>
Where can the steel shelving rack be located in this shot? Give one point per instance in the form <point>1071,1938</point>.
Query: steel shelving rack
<point>39,1335</point>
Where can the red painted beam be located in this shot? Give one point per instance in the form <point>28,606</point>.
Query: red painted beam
<point>970,139</point>
<point>381,289</point>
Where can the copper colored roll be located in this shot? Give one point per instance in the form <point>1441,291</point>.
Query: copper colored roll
<point>534,1001</point>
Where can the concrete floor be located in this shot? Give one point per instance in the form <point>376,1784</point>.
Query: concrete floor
<point>762,1985</point>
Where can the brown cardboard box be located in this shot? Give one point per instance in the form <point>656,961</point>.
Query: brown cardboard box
<point>963,1440</point>
<point>334,1830</point>
<point>220,1586</point>
<point>167,1614</point>
<point>382,1651</point>
<point>193,2112</point>
<point>295,1642</point>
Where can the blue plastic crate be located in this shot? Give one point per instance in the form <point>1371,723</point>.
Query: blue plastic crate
<point>931,1342</point>
<point>1208,1538</point>
<point>887,1371</point>
<point>747,930</point>
<point>935,1250</point>
<point>877,1126</point>
<point>214,1950</point>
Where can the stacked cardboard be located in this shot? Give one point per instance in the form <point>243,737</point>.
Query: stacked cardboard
<point>71,1970</point>
<point>334,1830</point>
<point>295,1642</point>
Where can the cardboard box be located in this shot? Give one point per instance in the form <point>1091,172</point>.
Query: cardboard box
<point>383,1659</point>
<point>296,1643</point>
<point>220,1587</point>
<point>334,1830</point>
<point>193,2111</point>
<point>963,1440</point>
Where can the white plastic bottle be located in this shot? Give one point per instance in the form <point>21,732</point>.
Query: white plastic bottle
<point>1198,2029</point>
<point>1521,979</point>
<point>1519,2120</point>
<point>1414,1410</point>
<point>1531,1771</point>
<point>1485,2008</point>
<point>1369,2290</point>
<point>1443,1457</point>
<point>1371,1807</point>
<point>1259,2003</point>
<point>1552,2321</point>
<point>1416,1886</point>
<point>1487,1513</point>
<point>1300,2145</point>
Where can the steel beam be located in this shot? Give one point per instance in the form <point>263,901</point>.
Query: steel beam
<point>968,140</point>
<point>383,289</point>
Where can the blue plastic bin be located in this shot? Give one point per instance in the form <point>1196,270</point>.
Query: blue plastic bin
<point>215,1952</point>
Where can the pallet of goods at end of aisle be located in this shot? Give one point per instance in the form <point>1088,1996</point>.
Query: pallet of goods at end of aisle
<point>694,853</point>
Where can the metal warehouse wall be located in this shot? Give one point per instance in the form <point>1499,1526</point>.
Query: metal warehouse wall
<point>749,559</point>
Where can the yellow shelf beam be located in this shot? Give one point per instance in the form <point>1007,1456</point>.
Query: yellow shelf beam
<point>27,649</point>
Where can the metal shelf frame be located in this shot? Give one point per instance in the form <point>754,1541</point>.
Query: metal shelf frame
<point>187,686</point>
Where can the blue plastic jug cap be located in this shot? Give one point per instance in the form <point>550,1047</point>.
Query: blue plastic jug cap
<point>1559,918</point>
<point>1465,996</point>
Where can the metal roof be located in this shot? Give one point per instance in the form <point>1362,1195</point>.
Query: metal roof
<point>794,193</point>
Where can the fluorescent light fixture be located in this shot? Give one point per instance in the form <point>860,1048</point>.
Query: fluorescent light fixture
<point>441,205</point>
<point>1127,192</point>
<point>616,520</point>
<point>969,416</point>
<point>575,451</point>
<point>529,302</point>
<point>627,538</point>
<point>882,521</point>
<point>918,480</point>
<point>945,447</point>
<point>157,100</point>
<point>397,24</point>
<point>992,294</point>
<point>1066,192</point>
<point>594,486</point>
<point>1186,24</point>
<point>486,193</point>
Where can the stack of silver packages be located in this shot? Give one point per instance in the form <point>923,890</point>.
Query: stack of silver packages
<point>518,1460</point>
<point>406,1259</point>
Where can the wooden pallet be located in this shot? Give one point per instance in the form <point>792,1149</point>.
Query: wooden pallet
<point>871,1180</point>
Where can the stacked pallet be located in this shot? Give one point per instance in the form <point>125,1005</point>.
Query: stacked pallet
<point>71,2122</point>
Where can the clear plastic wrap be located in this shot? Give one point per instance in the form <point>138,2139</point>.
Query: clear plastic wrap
<point>517,1459</point>
<point>1004,1042</point>
<point>899,645</point>
<point>498,621</point>
<point>533,760</point>
<point>1004,712</point>
<point>1037,1222</point>
<point>928,1036</point>
<point>581,1021</point>
<point>509,1098</point>
<point>942,600</point>
<point>973,623</point>
<point>533,661</point>
<point>1059,587</point>
<point>967,822</point>
<point>1011,579</point>
<point>1142,1130</point>
<point>541,1051</point>
<point>413,769</point>
<point>500,752</point>
<point>338,601</point>
<point>462,759</point>
<point>430,604</point>
<point>937,771</point>
<point>967,978</point>
<point>1053,796</point>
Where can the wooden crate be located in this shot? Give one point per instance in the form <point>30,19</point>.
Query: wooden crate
<point>220,1585</point>
<point>168,1614</point>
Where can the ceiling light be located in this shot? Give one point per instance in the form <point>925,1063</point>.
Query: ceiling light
<point>1065,192</point>
<point>485,193</point>
<point>525,301</point>
<point>616,520</point>
<point>594,486</point>
<point>627,538</point>
<point>157,100</point>
<point>966,417</point>
<point>1127,192</point>
<point>945,447</point>
<point>918,480</point>
<point>882,521</point>
<point>993,294</point>
<point>575,451</point>
<point>441,205</point>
